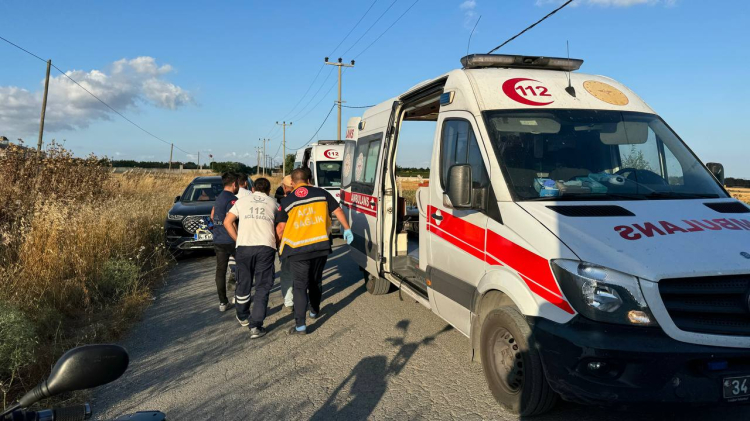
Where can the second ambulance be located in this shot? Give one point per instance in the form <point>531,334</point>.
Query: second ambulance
<point>567,231</point>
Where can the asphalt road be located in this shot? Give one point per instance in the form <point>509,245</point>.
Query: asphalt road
<point>376,357</point>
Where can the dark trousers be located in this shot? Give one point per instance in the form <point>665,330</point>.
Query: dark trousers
<point>223,251</point>
<point>255,264</point>
<point>307,276</point>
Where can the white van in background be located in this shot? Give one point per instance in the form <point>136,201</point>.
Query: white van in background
<point>324,159</point>
<point>566,230</point>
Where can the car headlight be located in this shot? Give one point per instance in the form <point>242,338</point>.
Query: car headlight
<point>603,294</point>
<point>175,217</point>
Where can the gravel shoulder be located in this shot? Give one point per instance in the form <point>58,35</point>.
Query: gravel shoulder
<point>374,357</point>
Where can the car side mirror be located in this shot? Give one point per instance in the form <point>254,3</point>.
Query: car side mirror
<point>717,170</point>
<point>459,186</point>
<point>177,199</point>
<point>81,368</point>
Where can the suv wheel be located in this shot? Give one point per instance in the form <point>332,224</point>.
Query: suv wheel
<point>512,365</point>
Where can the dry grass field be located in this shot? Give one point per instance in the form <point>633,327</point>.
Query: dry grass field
<point>80,248</point>
<point>742,194</point>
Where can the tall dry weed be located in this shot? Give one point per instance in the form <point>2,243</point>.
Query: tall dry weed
<point>80,248</point>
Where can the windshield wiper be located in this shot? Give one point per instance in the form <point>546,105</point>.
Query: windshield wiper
<point>586,196</point>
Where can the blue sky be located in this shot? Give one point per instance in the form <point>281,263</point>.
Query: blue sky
<point>218,75</point>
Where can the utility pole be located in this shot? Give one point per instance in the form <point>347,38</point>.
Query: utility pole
<point>283,147</point>
<point>264,155</point>
<point>44,110</point>
<point>171,149</point>
<point>257,160</point>
<point>199,160</point>
<point>339,64</point>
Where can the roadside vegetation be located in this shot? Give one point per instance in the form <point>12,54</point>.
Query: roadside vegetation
<point>80,249</point>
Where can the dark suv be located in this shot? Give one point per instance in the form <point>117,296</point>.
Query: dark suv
<point>189,221</point>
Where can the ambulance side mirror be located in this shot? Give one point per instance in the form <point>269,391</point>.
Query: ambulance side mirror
<point>177,199</point>
<point>459,186</point>
<point>717,170</point>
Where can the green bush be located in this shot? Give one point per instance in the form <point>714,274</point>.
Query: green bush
<point>119,277</point>
<point>18,339</point>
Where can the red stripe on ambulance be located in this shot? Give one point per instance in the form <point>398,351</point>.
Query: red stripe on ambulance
<point>361,203</point>
<point>499,251</point>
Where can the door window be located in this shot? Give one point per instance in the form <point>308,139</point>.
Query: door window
<point>366,163</point>
<point>459,146</point>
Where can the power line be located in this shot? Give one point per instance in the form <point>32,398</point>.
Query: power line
<point>387,29</point>
<point>319,101</point>
<point>353,28</point>
<point>296,116</point>
<point>323,65</point>
<point>371,26</point>
<point>306,92</point>
<point>531,26</point>
<point>95,97</point>
<point>316,131</point>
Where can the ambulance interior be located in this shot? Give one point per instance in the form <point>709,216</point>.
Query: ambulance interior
<point>417,127</point>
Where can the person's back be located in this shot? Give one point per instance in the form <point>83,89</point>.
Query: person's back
<point>304,228</point>
<point>256,253</point>
<point>309,223</point>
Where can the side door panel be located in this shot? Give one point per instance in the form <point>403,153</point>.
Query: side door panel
<point>457,237</point>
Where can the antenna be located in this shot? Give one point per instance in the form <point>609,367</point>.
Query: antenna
<point>471,34</point>
<point>531,26</point>
<point>570,89</point>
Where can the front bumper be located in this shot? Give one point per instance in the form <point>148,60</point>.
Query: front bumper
<point>638,364</point>
<point>176,238</point>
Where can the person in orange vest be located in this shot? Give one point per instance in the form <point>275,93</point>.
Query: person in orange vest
<point>303,227</point>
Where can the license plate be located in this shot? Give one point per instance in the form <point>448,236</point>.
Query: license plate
<point>203,236</point>
<point>737,388</point>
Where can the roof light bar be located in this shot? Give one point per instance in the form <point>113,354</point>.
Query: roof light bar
<point>478,61</point>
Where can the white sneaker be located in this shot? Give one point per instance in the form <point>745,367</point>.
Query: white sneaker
<point>243,323</point>
<point>223,307</point>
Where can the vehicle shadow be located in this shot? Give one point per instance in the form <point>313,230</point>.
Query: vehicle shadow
<point>368,380</point>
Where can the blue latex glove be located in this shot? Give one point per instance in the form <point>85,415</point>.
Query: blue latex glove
<point>348,236</point>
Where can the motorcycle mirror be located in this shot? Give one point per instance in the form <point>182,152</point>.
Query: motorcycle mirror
<point>80,368</point>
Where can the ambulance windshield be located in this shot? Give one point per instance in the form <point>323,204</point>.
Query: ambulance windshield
<point>329,174</point>
<point>595,155</point>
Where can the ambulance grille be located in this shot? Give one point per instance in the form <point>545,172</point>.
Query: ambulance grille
<point>718,305</point>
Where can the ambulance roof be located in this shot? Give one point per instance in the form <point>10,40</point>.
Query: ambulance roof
<point>483,89</point>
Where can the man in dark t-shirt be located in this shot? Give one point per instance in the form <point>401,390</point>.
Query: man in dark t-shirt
<point>223,243</point>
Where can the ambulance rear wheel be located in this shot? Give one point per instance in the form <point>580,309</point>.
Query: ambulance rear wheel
<point>376,285</point>
<point>512,365</point>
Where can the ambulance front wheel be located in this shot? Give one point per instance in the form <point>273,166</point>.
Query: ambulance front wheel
<point>376,285</point>
<point>512,365</point>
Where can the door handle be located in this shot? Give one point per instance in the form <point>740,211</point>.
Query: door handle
<point>437,217</point>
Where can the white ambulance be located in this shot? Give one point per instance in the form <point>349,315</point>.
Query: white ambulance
<point>567,231</point>
<point>323,158</point>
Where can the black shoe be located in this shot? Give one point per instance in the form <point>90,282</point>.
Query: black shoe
<point>257,332</point>
<point>293,331</point>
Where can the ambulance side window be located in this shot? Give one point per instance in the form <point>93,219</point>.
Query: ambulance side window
<point>366,163</point>
<point>459,146</point>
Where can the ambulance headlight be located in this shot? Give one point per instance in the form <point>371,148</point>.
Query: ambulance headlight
<point>603,294</point>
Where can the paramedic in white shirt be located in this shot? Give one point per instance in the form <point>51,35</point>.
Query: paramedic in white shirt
<point>255,237</point>
<point>244,186</point>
